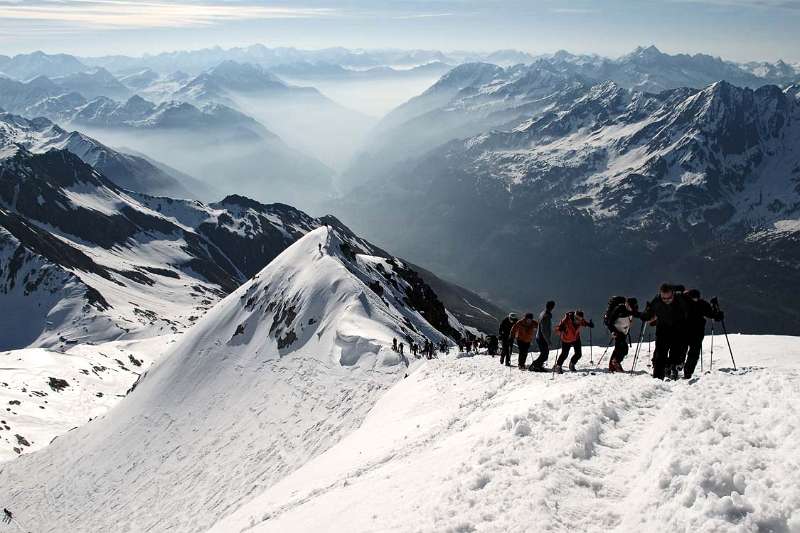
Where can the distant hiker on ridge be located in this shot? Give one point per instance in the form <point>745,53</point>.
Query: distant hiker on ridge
<point>570,330</point>
<point>505,338</point>
<point>523,331</point>
<point>543,335</point>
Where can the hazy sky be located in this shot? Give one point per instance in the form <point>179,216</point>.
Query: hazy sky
<point>734,29</point>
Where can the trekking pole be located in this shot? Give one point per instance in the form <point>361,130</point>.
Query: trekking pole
<point>591,357</point>
<point>711,366</point>
<point>610,342</point>
<point>725,331</point>
<point>638,346</point>
<point>701,351</point>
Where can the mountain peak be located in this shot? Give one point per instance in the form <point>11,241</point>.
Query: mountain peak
<point>648,53</point>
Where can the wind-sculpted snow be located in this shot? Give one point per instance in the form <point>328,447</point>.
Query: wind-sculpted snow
<point>468,445</point>
<point>274,375</point>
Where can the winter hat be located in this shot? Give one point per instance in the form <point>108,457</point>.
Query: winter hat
<point>512,316</point>
<point>529,316</point>
<point>693,293</point>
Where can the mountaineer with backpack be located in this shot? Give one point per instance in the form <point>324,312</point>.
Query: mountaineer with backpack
<point>543,335</point>
<point>523,331</point>
<point>697,310</point>
<point>667,312</point>
<point>505,338</point>
<point>570,331</point>
<point>618,318</point>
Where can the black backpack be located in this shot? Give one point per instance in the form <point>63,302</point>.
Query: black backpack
<point>613,303</point>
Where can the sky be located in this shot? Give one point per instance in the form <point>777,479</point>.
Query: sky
<point>740,30</point>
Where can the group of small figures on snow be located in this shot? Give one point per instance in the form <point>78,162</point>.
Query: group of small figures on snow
<point>678,315</point>
<point>428,348</point>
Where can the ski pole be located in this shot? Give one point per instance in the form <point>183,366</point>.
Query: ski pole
<point>638,346</point>
<point>711,366</point>
<point>591,356</point>
<point>701,351</point>
<point>725,331</point>
<point>610,342</point>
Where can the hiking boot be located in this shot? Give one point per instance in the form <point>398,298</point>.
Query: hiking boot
<point>673,373</point>
<point>536,368</point>
<point>572,367</point>
<point>558,370</point>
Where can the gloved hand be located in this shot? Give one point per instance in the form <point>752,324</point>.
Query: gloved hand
<point>720,316</point>
<point>591,323</point>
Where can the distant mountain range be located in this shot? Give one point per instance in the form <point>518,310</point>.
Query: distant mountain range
<point>214,142</point>
<point>532,182</point>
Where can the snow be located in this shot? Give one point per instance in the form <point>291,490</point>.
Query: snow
<point>239,428</point>
<point>468,445</point>
<point>95,378</point>
<point>229,410</point>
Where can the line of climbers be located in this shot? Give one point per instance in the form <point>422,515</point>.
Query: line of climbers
<point>678,315</point>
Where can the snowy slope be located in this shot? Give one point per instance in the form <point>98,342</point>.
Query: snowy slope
<point>47,393</point>
<point>274,375</point>
<point>467,445</point>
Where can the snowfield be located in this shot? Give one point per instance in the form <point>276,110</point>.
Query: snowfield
<point>46,393</point>
<point>467,445</point>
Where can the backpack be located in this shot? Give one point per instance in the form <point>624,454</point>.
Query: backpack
<point>613,303</point>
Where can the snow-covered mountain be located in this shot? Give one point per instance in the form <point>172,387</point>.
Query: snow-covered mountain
<point>154,86</point>
<point>302,116</point>
<point>273,375</point>
<point>228,77</point>
<point>197,61</point>
<point>700,186</point>
<point>29,66</point>
<point>126,170</point>
<point>314,72</point>
<point>468,100</point>
<point>94,83</point>
<point>477,97</point>
<point>219,145</point>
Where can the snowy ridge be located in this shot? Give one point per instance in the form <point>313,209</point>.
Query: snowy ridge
<point>275,374</point>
